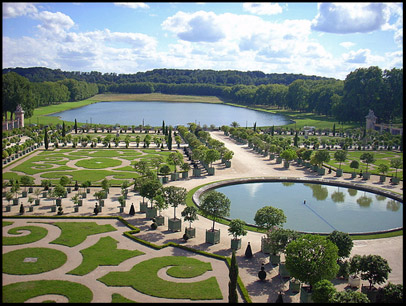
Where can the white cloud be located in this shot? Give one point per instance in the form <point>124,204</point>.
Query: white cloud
<point>132,5</point>
<point>12,10</point>
<point>53,23</point>
<point>262,8</point>
<point>199,26</point>
<point>347,44</point>
<point>346,18</point>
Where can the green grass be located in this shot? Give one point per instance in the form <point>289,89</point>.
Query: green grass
<point>98,163</point>
<point>118,298</point>
<point>381,157</point>
<point>103,253</point>
<point>22,291</point>
<point>143,277</point>
<point>52,164</point>
<point>74,233</point>
<point>36,233</point>
<point>47,260</point>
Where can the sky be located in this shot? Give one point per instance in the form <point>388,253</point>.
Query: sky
<point>309,38</point>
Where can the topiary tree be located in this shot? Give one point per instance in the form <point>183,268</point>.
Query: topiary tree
<point>236,228</point>
<point>321,156</point>
<point>189,214</point>
<point>311,258</point>
<point>289,154</point>
<point>397,164</point>
<point>174,196</point>
<point>349,296</point>
<point>268,217</point>
<point>323,291</point>
<point>343,241</point>
<point>373,268</point>
<point>340,156</point>
<point>175,159</point>
<point>354,165</point>
<point>367,158</point>
<point>216,204</point>
<point>391,293</point>
<point>279,238</point>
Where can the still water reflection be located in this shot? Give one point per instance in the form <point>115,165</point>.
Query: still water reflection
<point>327,207</point>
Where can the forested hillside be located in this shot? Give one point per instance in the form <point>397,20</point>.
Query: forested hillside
<point>346,101</point>
<point>168,76</point>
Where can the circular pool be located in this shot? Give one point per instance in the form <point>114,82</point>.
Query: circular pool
<point>313,206</point>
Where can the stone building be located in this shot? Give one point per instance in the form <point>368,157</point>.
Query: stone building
<point>17,122</point>
<point>372,125</point>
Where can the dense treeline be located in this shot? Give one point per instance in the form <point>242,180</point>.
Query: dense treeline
<point>19,90</point>
<point>168,76</point>
<point>346,101</point>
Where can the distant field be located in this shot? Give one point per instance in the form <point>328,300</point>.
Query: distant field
<point>109,97</point>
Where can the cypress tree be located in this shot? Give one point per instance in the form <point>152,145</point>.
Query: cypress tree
<point>170,139</point>
<point>76,127</point>
<point>272,130</point>
<point>334,129</point>
<point>63,129</point>
<point>46,139</point>
<point>232,284</point>
<point>296,140</point>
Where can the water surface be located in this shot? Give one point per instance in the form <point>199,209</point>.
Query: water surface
<point>327,207</point>
<point>173,113</point>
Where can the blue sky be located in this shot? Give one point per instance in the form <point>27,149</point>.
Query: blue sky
<point>324,39</point>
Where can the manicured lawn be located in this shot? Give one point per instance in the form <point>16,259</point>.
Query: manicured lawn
<point>22,291</point>
<point>381,157</point>
<point>103,253</point>
<point>143,277</point>
<point>74,233</point>
<point>53,164</point>
<point>36,233</point>
<point>46,260</point>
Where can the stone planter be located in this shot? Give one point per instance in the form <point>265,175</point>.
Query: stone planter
<point>210,171</point>
<point>395,180</point>
<point>275,259</point>
<point>236,244</point>
<point>339,172</point>
<point>353,175</point>
<point>24,194</point>
<point>283,272</point>
<point>185,175</point>
<point>174,225</point>
<point>151,212</point>
<point>58,202</point>
<point>143,207</point>
<point>36,201</point>
<point>165,179</point>
<point>15,201</point>
<point>305,295</point>
<point>197,172</point>
<point>366,176</point>
<point>30,190</point>
<point>174,176</point>
<point>286,164</point>
<point>69,189</point>
<point>354,281</point>
<point>321,171</point>
<point>101,202</point>
<point>227,163</point>
<point>212,237</point>
<point>294,285</point>
<point>190,231</point>
<point>271,156</point>
<point>382,178</point>
<point>80,202</point>
<point>279,160</point>
<point>299,161</point>
<point>160,220</point>
<point>265,248</point>
<point>88,190</point>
